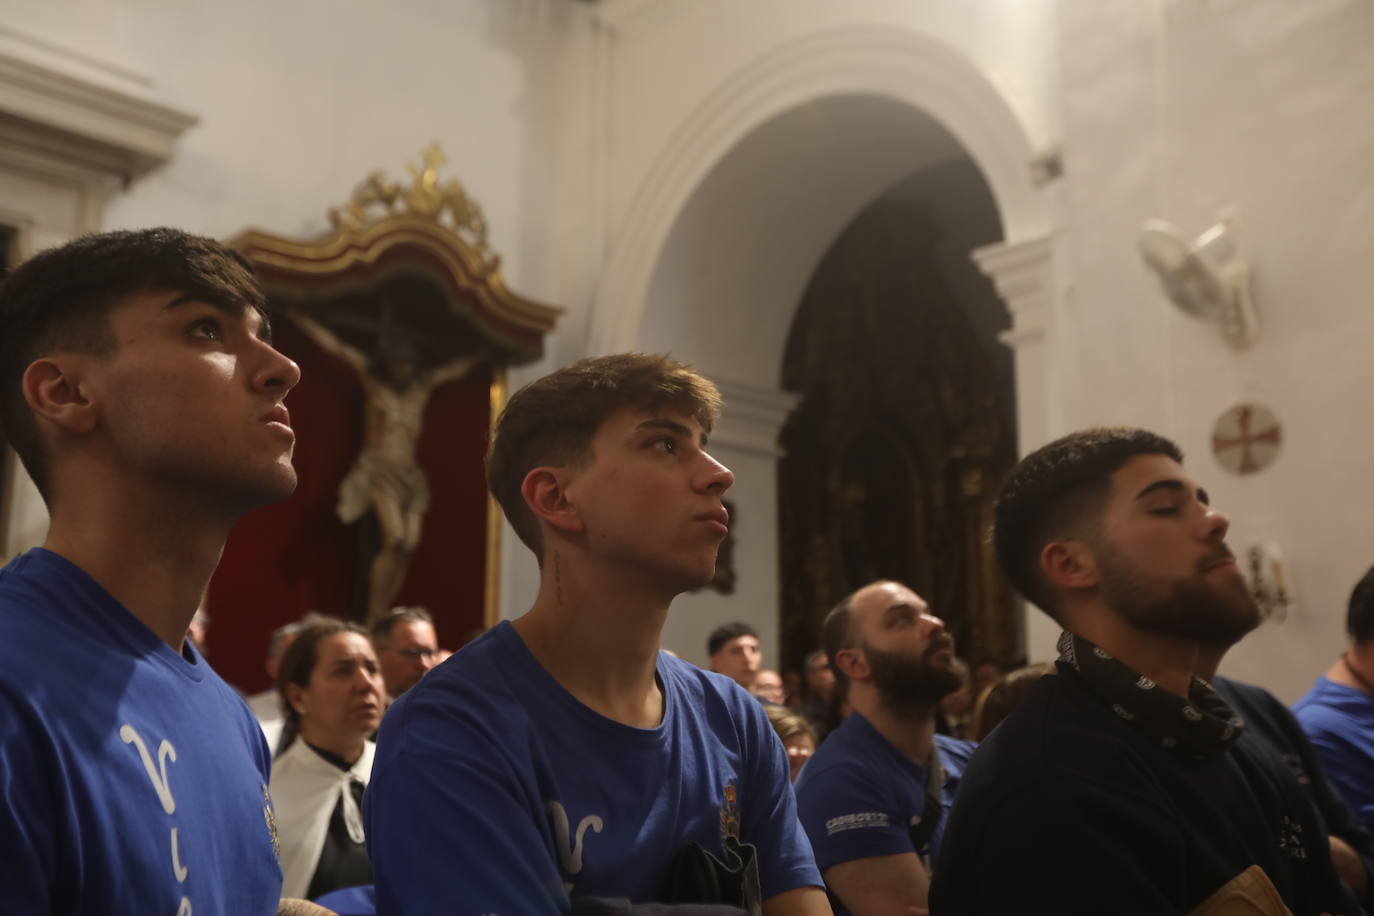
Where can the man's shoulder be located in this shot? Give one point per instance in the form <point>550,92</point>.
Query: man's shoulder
<point>1248,699</point>
<point>46,641</point>
<point>698,685</point>
<point>1060,734</point>
<point>853,753</point>
<point>1334,709</point>
<point>475,694</point>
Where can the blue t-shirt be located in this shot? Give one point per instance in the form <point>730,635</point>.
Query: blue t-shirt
<point>133,780</point>
<point>1339,720</point>
<point>859,797</point>
<point>496,791</point>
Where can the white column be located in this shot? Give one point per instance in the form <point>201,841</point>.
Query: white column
<point>1023,273</point>
<point>72,129</point>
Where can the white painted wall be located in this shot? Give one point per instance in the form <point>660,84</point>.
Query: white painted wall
<point>300,101</point>
<point>560,120</point>
<point>1180,109</point>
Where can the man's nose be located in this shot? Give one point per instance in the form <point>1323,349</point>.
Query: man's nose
<point>715,477</point>
<point>277,372</point>
<point>1216,524</point>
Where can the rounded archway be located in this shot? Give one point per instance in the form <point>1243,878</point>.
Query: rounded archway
<point>903,90</point>
<point>727,228</point>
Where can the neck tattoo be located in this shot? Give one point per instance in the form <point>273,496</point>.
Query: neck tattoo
<point>557,579</point>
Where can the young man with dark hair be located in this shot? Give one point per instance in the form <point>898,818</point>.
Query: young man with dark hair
<point>1338,712</point>
<point>562,758</point>
<point>733,650</point>
<point>140,388</point>
<point>873,796</point>
<point>1117,785</point>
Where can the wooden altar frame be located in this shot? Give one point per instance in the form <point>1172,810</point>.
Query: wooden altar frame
<point>428,230</point>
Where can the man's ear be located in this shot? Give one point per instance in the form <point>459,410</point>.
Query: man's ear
<point>54,390</point>
<point>545,492</point>
<point>853,663</point>
<point>1069,564</point>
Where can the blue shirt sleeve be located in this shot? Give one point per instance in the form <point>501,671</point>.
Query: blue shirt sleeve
<point>850,815</point>
<point>27,845</point>
<point>1347,754</point>
<point>785,858</point>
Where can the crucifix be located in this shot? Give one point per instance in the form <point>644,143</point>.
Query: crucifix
<point>386,479</point>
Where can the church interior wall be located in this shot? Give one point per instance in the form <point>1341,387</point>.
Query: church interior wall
<point>670,57</point>
<point>1262,109</point>
<point>299,102</point>
<point>555,115</point>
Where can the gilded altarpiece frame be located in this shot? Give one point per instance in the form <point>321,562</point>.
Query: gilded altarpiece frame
<point>903,434</point>
<point>405,279</point>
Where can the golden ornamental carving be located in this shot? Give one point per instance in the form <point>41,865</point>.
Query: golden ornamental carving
<point>447,204</point>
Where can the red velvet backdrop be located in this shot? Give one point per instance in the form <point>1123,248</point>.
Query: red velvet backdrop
<point>296,556</point>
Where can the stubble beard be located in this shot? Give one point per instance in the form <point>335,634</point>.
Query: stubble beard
<point>230,492</point>
<point>1193,608</point>
<point>908,684</point>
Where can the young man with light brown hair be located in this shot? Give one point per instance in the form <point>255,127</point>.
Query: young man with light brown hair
<point>562,757</point>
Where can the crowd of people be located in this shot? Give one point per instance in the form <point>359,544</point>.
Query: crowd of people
<point>561,761</point>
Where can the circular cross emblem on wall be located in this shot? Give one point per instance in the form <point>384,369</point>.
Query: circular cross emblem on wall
<point>1246,438</point>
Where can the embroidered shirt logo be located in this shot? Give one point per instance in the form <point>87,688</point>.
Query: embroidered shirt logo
<point>856,821</point>
<point>729,813</point>
<point>1290,839</point>
<point>270,815</point>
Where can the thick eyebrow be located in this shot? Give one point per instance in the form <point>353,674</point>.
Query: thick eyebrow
<point>900,606</point>
<point>1176,485</point>
<point>671,426</point>
<point>232,308</point>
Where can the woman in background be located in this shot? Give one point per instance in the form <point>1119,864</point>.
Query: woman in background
<point>797,735</point>
<point>331,692</point>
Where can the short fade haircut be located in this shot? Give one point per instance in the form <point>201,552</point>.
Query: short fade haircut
<point>723,634</point>
<point>383,626</point>
<point>838,632</point>
<point>60,300</point>
<point>551,421</point>
<point>1057,492</point>
<point>1359,615</point>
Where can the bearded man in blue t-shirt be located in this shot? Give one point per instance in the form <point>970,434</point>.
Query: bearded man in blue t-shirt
<point>139,386</point>
<point>874,795</point>
<point>562,759</point>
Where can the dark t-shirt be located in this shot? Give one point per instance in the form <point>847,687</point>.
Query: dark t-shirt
<point>1268,720</point>
<point>1069,808</point>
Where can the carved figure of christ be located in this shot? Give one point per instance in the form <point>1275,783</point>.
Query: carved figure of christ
<point>386,478</point>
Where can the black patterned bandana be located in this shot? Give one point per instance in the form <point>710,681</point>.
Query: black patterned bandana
<point>1202,725</point>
